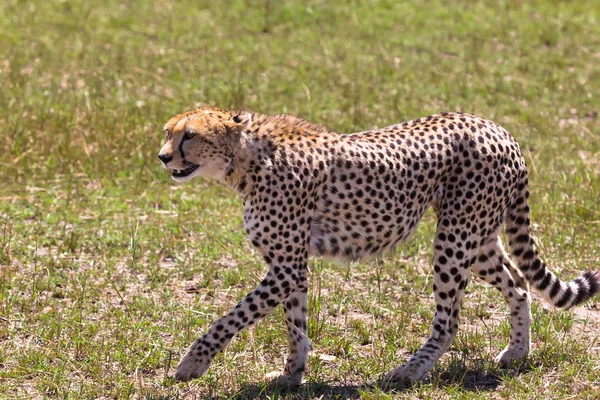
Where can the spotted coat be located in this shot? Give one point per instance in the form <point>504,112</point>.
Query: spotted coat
<point>310,191</point>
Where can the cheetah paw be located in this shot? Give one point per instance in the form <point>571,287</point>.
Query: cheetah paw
<point>400,377</point>
<point>191,367</point>
<point>284,380</point>
<point>509,356</point>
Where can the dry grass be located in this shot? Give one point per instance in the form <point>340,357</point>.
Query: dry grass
<point>108,271</point>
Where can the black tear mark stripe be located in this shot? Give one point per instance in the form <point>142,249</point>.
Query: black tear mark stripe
<point>181,148</point>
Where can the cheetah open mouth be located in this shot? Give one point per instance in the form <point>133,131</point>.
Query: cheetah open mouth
<point>182,173</point>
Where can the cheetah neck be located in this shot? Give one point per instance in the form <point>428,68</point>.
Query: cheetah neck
<point>238,168</point>
<point>262,145</point>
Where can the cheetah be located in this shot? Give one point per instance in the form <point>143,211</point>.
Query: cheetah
<point>309,191</point>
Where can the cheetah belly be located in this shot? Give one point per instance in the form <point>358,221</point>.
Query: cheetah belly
<point>349,229</point>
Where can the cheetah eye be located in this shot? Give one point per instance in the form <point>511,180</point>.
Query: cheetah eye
<point>167,135</point>
<point>187,135</point>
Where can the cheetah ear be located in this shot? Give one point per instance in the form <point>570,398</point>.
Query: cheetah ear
<point>239,122</point>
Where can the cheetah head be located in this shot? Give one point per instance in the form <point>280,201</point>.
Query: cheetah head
<point>202,142</point>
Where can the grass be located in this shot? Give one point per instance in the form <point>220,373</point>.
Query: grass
<point>108,270</point>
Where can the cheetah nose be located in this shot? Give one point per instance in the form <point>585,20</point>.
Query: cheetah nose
<point>165,158</point>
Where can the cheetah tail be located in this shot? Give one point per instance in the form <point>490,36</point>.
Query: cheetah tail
<point>556,292</point>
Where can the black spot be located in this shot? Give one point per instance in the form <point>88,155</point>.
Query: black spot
<point>546,282</point>
<point>565,298</point>
<point>522,239</point>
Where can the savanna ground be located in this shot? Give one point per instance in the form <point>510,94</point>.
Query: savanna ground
<point>109,270</point>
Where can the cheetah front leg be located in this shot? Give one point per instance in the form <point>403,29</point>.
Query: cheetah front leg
<point>272,291</point>
<point>453,259</point>
<point>296,322</point>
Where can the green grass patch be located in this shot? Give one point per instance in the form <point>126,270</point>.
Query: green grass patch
<point>108,270</point>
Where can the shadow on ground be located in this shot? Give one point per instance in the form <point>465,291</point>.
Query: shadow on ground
<point>481,380</point>
<point>469,380</point>
<point>309,390</point>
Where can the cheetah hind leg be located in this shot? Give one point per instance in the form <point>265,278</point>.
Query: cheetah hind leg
<point>495,267</point>
<point>449,279</point>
